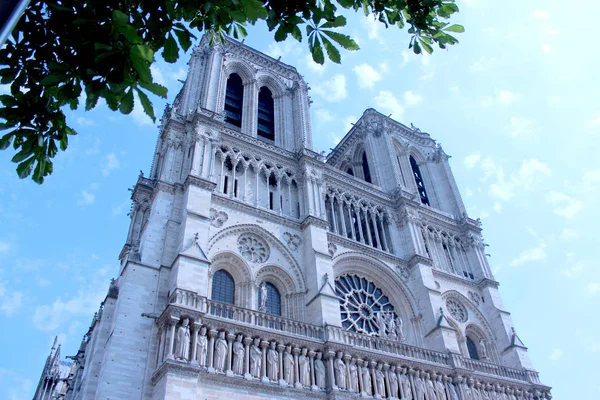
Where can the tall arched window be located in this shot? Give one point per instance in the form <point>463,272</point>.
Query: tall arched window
<point>365,167</point>
<point>223,287</point>
<point>266,114</point>
<point>234,99</point>
<point>472,349</point>
<point>273,303</point>
<point>419,181</point>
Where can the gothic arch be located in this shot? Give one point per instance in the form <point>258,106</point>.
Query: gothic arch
<point>271,82</point>
<point>235,66</point>
<point>475,318</point>
<point>236,267</point>
<point>487,348</point>
<point>294,268</point>
<point>383,277</point>
<point>278,277</point>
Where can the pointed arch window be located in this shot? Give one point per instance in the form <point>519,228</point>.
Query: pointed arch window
<point>223,287</point>
<point>419,181</point>
<point>273,303</point>
<point>473,353</point>
<point>365,167</point>
<point>266,114</point>
<point>234,100</point>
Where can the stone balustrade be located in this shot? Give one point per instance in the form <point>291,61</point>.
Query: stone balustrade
<point>494,369</point>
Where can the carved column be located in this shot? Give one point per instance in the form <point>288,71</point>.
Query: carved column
<point>211,349</point>
<point>374,219</point>
<point>329,356</point>
<point>196,326</point>
<point>347,357</point>
<point>228,360</point>
<point>411,378</point>
<point>280,349</point>
<point>295,352</point>
<point>263,367</point>
<point>173,320</point>
<point>361,385</point>
<point>247,341</point>
<point>386,379</point>
<point>311,358</point>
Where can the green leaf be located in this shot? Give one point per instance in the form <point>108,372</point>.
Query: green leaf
<point>158,90</point>
<point>119,18</point>
<point>332,52</point>
<point>53,79</point>
<point>296,33</point>
<point>416,47</point>
<point>343,40</point>
<point>339,21</point>
<point>171,51</point>
<point>148,109</point>
<point>21,155</point>
<point>64,142</point>
<point>317,52</point>
<point>142,51</point>
<point>184,38</point>
<point>24,169</point>
<point>131,34</point>
<point>346,3</point>
<point>142,68</point>
<point>455,28</point>
<point>280,34</point>
<point>127,102</point>
<point>6,140</point>
<point>426,46</point>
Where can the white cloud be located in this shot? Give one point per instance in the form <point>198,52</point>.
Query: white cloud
<point>282,49</point>
<point>334,89</point>
<point>387,102</point>
<point>553,100</point>
<point>549,31</point>
<point>313,66</point>
<point>373,28</point>
<point>138,114</point>
<point>324,115</point>
<point>556,354</point>
<point>573,266</point>
<point>119,208</point>
<point>349,122</point>
<point>43,282</point>
<point>593,288</point>
<point>157,75</point>
<point>82,121</point>
<point>180,74</point>
<point>590,180</point>
<point>50,317</point>
<point>411,98</point>
<point>482,64</point>
<point>472,160</point>
<point>531,172</point>
<point>5,246</point>
<point>530,255</point>
<point>520,128</point>
<point>334,139</point>
<point>109,163</point>
<point>366,76</point>
<point>16,386</point>
<point>569,234</point>
<point>11,301</point>
<point>86,198</point>
<point>541,14</point>
<point>596,121</point>
<point>564,205</point>
<point>501,97</point>
<point>546,48</point>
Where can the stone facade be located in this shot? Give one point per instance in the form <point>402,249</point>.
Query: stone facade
<point>383,289</point>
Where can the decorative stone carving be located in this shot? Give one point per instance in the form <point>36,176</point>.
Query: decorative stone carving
<point>457,310</point>
<point>403,271</point>
<point>405,385</point>
<point>292,241</point>
<point>339,371</point>
<point>353,378</point>
<point>393,379</point>
<point>379,381</point>
<point>255,358</point>
<point>319,371</point>
<point>202,347</point>
<point>263,297</point>
<point>220,352</point>
<point>430,388</point>
<point>332,248</point>
<point>182,349</point>
<point>304,368</point>
<point>218,218</point>
<point>419,387</point>
<point>238,356</point>
<point>273,362</point>
<point>253,248</point>
<point>452,391</point>
<point>475,298</point>
<point>288,365</point>
<point>440,389</point>
<point>366,379</point>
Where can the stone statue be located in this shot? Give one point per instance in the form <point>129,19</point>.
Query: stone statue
<point>393,380</point>
<point>467,391</point>
<point>483,349</point>
<point>452,392</point>
<point>182,350</point>
<point>304,366</point>
<point>353,378</point>
<point>288,365</point>
<point>381,324</point>
<point>220,352</point>
<point>440,388</point>
<point>406,387</point>
<point>202,347</point>
<point>391,326</point>
<point>255,358</point>
<point>379,381</point>
<point>339,369</point>
<point>263,297</point>
<point>366,379</point>
<point>399,330</point>
<point>319,371</point>
<point>273,362</point>
<point>430,389</point>
<point>419,387</point>
<point>238,356</point>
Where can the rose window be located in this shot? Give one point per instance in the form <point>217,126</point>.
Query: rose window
<point>363,306</point>
<point>253,248</point>
<point>457,310</point>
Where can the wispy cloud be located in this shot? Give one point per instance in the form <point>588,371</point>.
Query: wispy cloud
<point>564,205</point>
<point>534,254</point>
<point>334,89</point>
<point>501,97</point>
<point>366,76</point>
<point>110,162</point>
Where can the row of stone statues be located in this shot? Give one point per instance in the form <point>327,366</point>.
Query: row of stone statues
<point>289,365</point>
<point>390,326</point>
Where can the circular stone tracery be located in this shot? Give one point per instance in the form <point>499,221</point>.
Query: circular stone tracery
<point>360,303</point>
<point>253,248</point>
<point>457,310</point>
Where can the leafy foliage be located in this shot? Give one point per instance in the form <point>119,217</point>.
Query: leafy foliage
<point>66,51</point>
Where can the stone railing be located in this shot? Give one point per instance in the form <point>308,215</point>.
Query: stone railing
<point>335,334</point>
<point>493,369</point>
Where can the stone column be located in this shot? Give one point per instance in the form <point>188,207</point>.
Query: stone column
<point>172,322</point>
<point>361,385</point>
<point>247,341</point>
<point>347,357</point>
<point>211,350</point>
<point>386,379</point>
<point>329,356</point>
<point>196,326</point>
<point>372,366</point>
<point>228,360</point>
<point>295,352</point>
<point>280,350</point>
<point>411,378</point>
<point>311,358</point>
<point>263,367</point>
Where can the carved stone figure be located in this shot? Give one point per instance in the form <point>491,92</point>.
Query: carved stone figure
<point>399,330</point>
<point>238,356</point>
<point>366,379</point>
<point>391,326</point>
<point>220,352</point>
<point>483,349</point>
<point>393,380</point>
<point>430,389</point>
<point>339,369</point>
<point>288,365</point>
<point>440,389</point>
<point>379,381</point>
<point>406,387</point>
<point>202,347</point>
<point>304,367</point>
<point>182,350</point>
<point>452,392</point>
<point>353,378</point>
<point>273,362</point>
<point>319,371</point>
<point>381,324</point>
<point>419,387</point>
<point>263,297</point>
<point>255,358</point>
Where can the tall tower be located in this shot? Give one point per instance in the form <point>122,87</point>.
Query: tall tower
<point>257,268</point>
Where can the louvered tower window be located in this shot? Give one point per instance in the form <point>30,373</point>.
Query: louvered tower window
<point>365,166</point>
<point>419,181</point>
<point>234,96</point>
<point>266,114</point>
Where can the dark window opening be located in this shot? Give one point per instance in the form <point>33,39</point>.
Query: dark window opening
<point>472,349</point>
<point>270,200</point>
<point>225,184</point>
<point>365,166</point>
<point>235,188</point>
<point>234,96</point>
<point>189,152</point>
<point>223,287</point>
<point>273,303</point>
<point>266,114</point>
<point>349,171</point>
<point>419,181</point>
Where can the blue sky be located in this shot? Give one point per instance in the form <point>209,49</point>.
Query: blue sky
<point>515,104</point>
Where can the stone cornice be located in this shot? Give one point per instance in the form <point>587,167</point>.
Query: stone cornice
<point>175,367</point>
<point>256,146</point>
<point>485,282</point>
<point>364,249</point>
<point>356,186</point>
<point>200,182</point>
<point>454,278</point>
<point>312,220</point>
<point>419,259</point>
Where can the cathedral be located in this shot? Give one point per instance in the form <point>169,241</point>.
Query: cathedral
<point>256,268</point>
